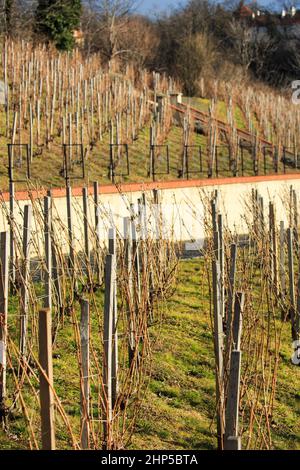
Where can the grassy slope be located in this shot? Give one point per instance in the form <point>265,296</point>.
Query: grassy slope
<point>179,406</point>
<point>47,164</point>
<point>178,413</point>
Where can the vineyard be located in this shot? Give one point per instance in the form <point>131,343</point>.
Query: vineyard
<point>66,118</point>
<point>83,328</point>
<point>112,335</point>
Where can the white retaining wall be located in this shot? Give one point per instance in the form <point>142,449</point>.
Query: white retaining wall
<point>182,209</point>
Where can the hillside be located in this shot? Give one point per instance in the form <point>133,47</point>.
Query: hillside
<point>178,410</point>
<point>55,99</point>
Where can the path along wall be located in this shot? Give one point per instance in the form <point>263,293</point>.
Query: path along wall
<point>181,204</point>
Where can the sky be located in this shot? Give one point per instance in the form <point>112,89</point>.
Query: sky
<point>151,7</point>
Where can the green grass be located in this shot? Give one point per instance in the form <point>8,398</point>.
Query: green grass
<point>47,163</point>
<point>178,410</point>
<point>179,406</point>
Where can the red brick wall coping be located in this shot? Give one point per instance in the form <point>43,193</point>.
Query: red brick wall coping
<point>135,187</point>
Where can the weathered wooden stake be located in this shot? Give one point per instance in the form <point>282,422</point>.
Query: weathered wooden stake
<point>291,281</point>
<point>97,228</point>
<point>231,294</point>
<point>48,254</point>
<point>218,343</point>
<point>282,259</point>
<point>12,238</point>
<point>233,394</point>
<point>273,249</point>
<point>221,262</point>
<point>107,340</point>
<point>97,215</point>
<point>25,278</point>
<point>46,380</point>
<point>152,154</point>
<point>237,320</point>
<point>136,264</point>
<point>128,265</point>
<point>261,215</point>
<point>86,225</point>
<point>112,251</point>
<point>85,366</point>
<point>55,272</point>
<point>70,232</point>
<point>4,257</point>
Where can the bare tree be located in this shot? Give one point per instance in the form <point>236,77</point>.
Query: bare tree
<point>242,40</point>
<point>16,17</point>
<point>104,23</point>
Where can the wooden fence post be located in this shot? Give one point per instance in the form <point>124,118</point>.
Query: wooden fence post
<point>291,281</point>
<point>237,320</point>
<point>273,249</point>
<point>136,264</point>
<point>261,215</point>
<point>152,153</point>
<point>4,275</point>
<point>232,405</point>
<point>255,212</point>
<point>282,260</point>
<point>114,378</point>
<point>96,208</point>
<point>130,302</point>
<point>231,294</point>
<point>55,270</point>
<point>97,228</point>
<point>12,236</point>
<point>86,225</point>
<point>214,215</point>
<point>233,443</point>
<point>221,263</point>
<point>25,277</point>
<point>218,311</point>
<point>233,394</point>
<point>218,344</point>
<point>48,254</point>
<point>295,216</point>
<point>70,231</point>
<point>85,366</point>
<point>107,340</point>
<point>46,380</point>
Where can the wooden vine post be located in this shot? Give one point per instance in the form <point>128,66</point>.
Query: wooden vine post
<point>48,254</point>
<point>130,302</point>
<point>25,278</point>
<point>4,265</point>
<point>291,282</point>
<point>85,367</point>
<point>152,153</point>
<point>12,237</point>
<point>282,261</point>
<point>218,328</point>
<point>97,229</point>
<point>70,235</point>
<point>232,439</point>
<point>85,201</point>
<point>107,357</point>
<point>46,380</point>
<point>273,250</point>
<point>231,294</point>
<point>114,378</point>
<point>55,271</point>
